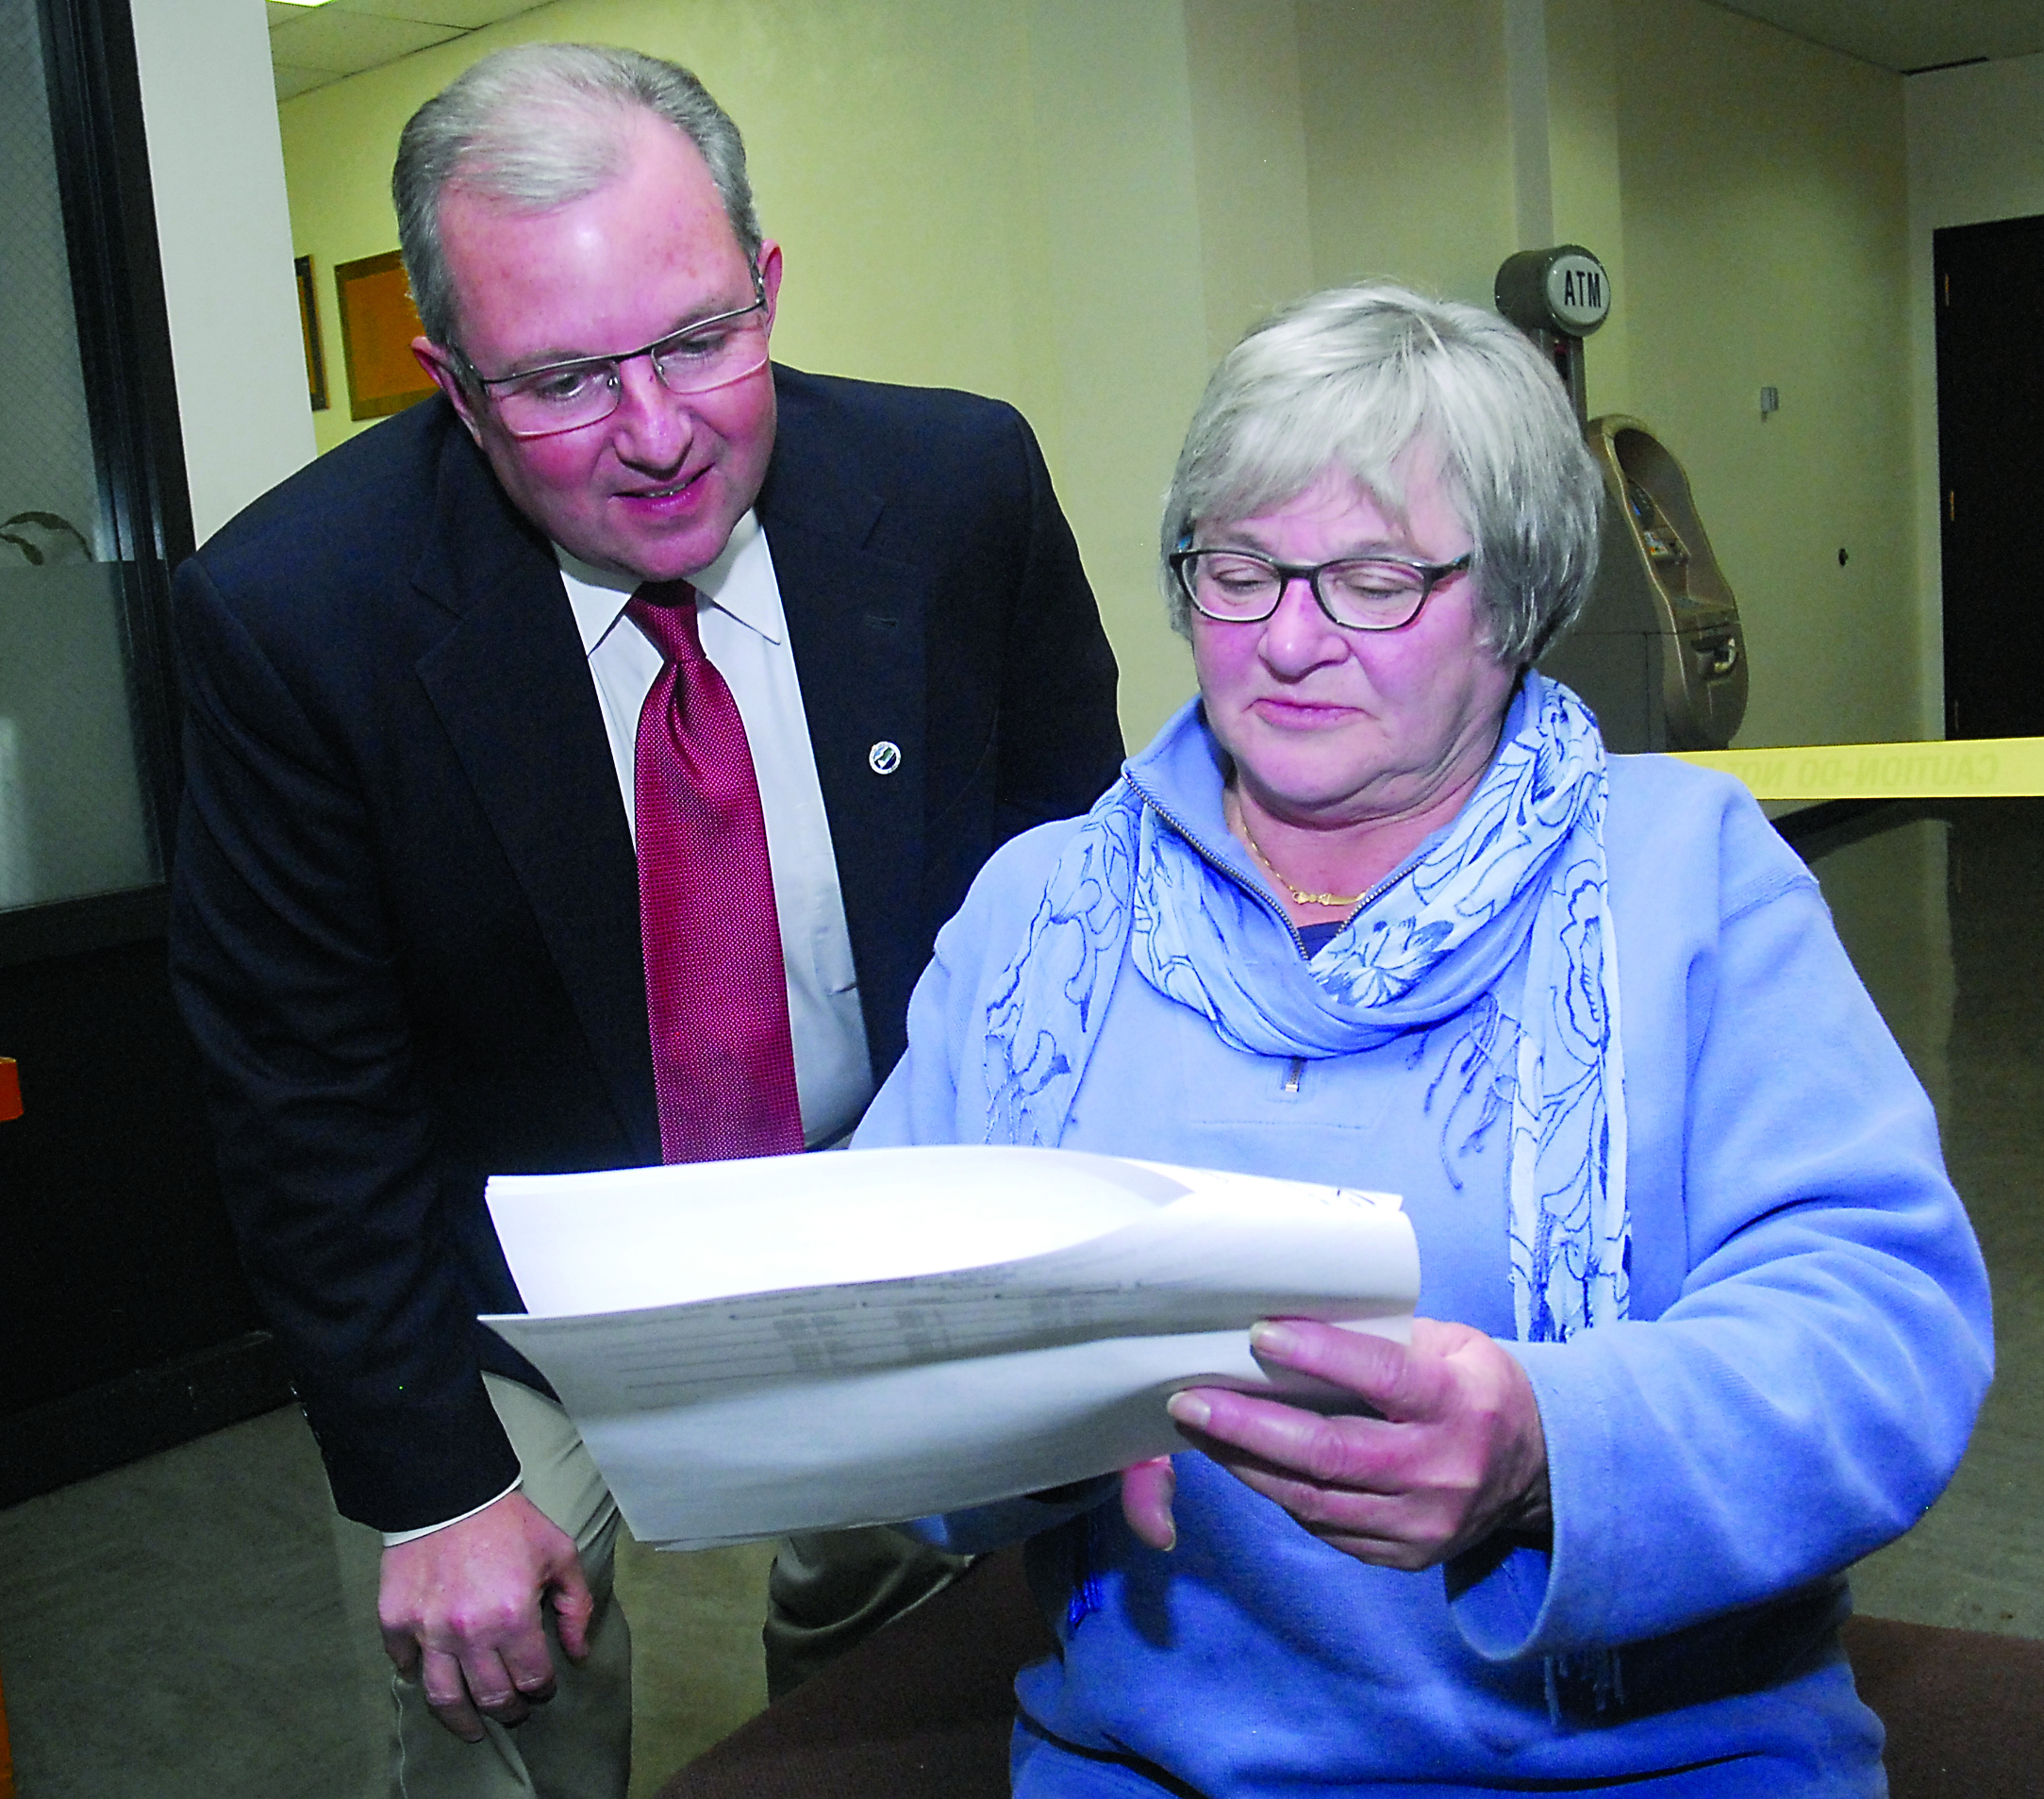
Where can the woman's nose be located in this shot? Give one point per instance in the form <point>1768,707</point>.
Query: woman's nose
<point>1298,635</point>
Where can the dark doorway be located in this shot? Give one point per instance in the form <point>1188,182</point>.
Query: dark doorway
<point>1990,458</point>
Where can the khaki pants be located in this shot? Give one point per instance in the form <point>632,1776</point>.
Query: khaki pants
<point>828,1591</point>
<point>578,1745</point>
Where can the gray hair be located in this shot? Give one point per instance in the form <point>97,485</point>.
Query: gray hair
<point>537,126</point>
<point>1351,380</point>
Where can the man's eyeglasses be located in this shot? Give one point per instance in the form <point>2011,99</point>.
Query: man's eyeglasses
<point>1359,594</point>
<point>565,396</point>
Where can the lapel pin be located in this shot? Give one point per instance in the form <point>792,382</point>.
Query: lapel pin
<point>884,757</point>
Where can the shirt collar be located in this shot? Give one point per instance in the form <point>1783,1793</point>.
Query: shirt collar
<point>739,582</point>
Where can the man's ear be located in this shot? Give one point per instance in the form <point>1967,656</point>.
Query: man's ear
<point>441,370</point>
<point>768,261</point>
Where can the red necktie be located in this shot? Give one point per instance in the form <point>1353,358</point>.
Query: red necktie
<point>724,1057</point>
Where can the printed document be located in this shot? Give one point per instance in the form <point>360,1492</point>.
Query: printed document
<point>802,1342</point>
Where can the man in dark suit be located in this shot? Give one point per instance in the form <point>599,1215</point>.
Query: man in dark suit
<point>408,930</point>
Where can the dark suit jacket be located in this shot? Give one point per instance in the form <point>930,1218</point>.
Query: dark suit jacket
<point>404,925</point>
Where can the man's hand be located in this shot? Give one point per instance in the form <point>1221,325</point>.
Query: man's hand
<point>461,1609</point>
<point>1455,1454</point>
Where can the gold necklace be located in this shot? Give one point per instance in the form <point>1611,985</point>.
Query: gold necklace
<point>1302,897</point>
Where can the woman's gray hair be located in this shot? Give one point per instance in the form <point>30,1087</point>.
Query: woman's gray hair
<point>537,126</point>
<point>1354,378</point>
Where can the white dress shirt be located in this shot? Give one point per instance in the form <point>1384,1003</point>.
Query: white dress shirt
<point>745,635</point>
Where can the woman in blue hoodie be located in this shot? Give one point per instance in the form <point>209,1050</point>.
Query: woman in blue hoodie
<point>1702,1320</point>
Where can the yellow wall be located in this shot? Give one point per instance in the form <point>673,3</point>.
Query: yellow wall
<point>1077,206</point>
<point>1765,209</point>
<point>1249,161</point>
<point>1408,140</point>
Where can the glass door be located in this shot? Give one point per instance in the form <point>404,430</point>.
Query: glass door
<point>83,719</point>
<point>124,1322</point>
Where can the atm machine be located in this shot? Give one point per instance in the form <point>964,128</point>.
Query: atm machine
<point>1657,653</point>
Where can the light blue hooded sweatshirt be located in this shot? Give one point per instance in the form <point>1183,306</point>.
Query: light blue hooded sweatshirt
<point>1807,1343</point>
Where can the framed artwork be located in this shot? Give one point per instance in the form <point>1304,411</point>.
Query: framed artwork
<point>377,325</point>
<point>309,322</point>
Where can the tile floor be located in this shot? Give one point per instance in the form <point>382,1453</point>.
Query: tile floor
<point>198,1625</point>
<point>1940,914</point>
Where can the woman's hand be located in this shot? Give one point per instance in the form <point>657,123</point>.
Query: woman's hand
<point>1456,1454</point>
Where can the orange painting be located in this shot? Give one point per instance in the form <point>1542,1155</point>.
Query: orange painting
<point>377,325</point>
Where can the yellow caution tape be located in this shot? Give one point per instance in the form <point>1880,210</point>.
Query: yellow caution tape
<point>1969,768</point>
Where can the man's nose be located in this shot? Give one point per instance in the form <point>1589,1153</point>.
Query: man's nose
<point>652,428</point>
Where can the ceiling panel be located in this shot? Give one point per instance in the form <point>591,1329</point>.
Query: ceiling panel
<point>345,42</point>
<point>291,79</point>
<point>310,46</point>
<point>464,15</point>
<point>1908,34</point>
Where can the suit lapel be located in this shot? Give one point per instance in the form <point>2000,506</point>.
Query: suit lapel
<point>856,622</point>
<point>511,686</point>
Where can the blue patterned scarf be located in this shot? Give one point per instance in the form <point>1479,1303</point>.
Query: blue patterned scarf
<point>1508,901</point>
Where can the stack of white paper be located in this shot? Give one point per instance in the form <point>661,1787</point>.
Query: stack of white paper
<point>807,1341</point>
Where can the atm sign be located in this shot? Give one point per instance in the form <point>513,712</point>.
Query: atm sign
<point>1578,291</point>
